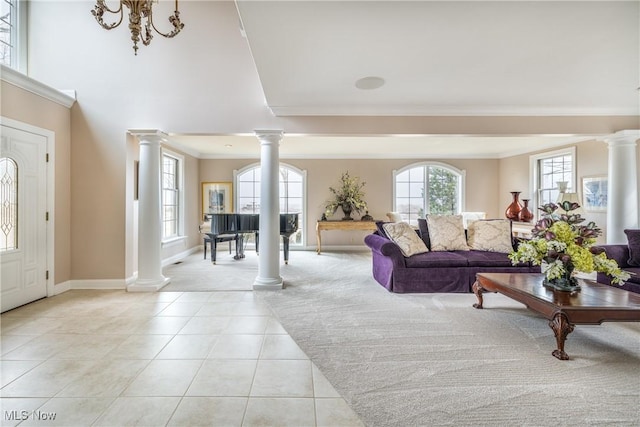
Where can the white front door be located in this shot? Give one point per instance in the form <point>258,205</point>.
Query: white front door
<point>23,227</point>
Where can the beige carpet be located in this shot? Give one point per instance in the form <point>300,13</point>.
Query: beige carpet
<point>432,359</point>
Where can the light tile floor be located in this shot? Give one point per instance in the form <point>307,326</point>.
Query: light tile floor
<point>112,358</point>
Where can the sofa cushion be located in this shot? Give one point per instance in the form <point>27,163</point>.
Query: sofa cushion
<point>437,259</point>
<point>403,235</point>
<point>493,235</point>
<point>633,237</point>
<point>488,259</point>
<point>446,233</point>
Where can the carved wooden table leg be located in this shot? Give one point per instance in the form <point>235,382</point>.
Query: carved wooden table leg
<point>319,241</point>
<point>561,328</point>
<point>478,290</point>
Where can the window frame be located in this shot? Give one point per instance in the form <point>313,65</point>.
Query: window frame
<point>534,182</point>
<point>179,198</point>
<point>461,173</point>
<point>18,36</point>
<point>303,214</point>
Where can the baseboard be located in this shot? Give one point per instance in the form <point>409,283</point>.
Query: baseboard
<point>340,248</point>
<point>61,287</point>
<point>180,256</point>
<point>132,279</point>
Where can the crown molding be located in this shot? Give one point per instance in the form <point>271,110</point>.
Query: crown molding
<point>449,111</point>
<point>65,98</point>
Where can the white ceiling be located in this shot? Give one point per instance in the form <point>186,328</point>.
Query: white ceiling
<point>447,58</point>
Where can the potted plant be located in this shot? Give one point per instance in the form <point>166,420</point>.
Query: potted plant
<point>561,246</point>
<point>348,196</point>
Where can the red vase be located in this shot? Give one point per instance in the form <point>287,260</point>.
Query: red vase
<point>513,210</point>
<point>525,214</point>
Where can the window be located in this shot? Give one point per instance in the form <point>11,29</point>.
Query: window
<point>291,188</point>
<point>171,196</point>
<point>8,204</point>
<point>548,169</point>
<point>13,33</point>
<point>430,188</point>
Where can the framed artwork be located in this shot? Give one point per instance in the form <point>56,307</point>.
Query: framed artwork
<point>594,193</point>
<point>217,197</point>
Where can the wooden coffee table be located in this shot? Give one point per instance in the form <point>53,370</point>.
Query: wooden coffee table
<point>593,304</point>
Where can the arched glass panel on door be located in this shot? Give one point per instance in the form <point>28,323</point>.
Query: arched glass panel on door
<point>8,204</point>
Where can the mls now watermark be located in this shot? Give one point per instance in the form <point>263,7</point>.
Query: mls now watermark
<point>29,415</point>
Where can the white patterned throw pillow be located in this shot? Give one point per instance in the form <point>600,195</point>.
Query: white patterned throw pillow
<point>446,233</point>
<point>403,235</point>
<point>492,235</point>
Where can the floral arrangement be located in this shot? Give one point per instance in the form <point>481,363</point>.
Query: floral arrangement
<point>349,196</point>
<point>560,246</point>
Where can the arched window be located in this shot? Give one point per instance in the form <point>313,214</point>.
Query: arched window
<point>427,188</point>
<point>8,204</point>
<point>292,185</point>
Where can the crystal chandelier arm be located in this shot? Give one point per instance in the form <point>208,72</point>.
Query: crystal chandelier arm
<point>98,12</point>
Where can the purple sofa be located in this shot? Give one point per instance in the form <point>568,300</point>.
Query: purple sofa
<point>621,254</point>
<point>453,271</point>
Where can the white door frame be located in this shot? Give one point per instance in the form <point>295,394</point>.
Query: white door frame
<point>50,147</point>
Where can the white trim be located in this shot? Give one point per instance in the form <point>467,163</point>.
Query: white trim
<point>180,172</point>
<point>50,137</point>
<point>22,81</point>
<point>173,241</point>
<point>176,146</point>
<point>61,288</point>
<point>131,280</point>
<point>21,43</point>
<point>441,110</point>
<point>346,248</point>
<point>178,257</point>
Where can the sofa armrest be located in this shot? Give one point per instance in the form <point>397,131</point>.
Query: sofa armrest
<point>618,253</point>
<point>385,247</point>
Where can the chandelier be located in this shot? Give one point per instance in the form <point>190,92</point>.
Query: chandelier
<point>139,10</point>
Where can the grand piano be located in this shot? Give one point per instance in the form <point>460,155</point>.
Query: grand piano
<point>234,226</point>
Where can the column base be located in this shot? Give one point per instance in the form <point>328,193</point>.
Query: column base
<point>148,285</point>
<point>268,284</point>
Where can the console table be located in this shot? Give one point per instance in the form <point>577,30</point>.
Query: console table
<point>341,225</point>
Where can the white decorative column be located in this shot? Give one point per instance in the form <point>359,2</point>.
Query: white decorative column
<point>269,259</point>
<point>622,204</point>
<point>150,278</point>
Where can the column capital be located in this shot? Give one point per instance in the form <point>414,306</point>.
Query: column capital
<point>623,137</point>
<point>149,135</point>
<point>269,136</point>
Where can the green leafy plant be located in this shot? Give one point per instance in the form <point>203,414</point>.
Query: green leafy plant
<point>348,195</point>
<point>560,246</point>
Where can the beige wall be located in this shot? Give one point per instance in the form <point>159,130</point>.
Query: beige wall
<point>218,93</point>
<point>26,107</point>
<point>481,184</point>
<point>591,160</point>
